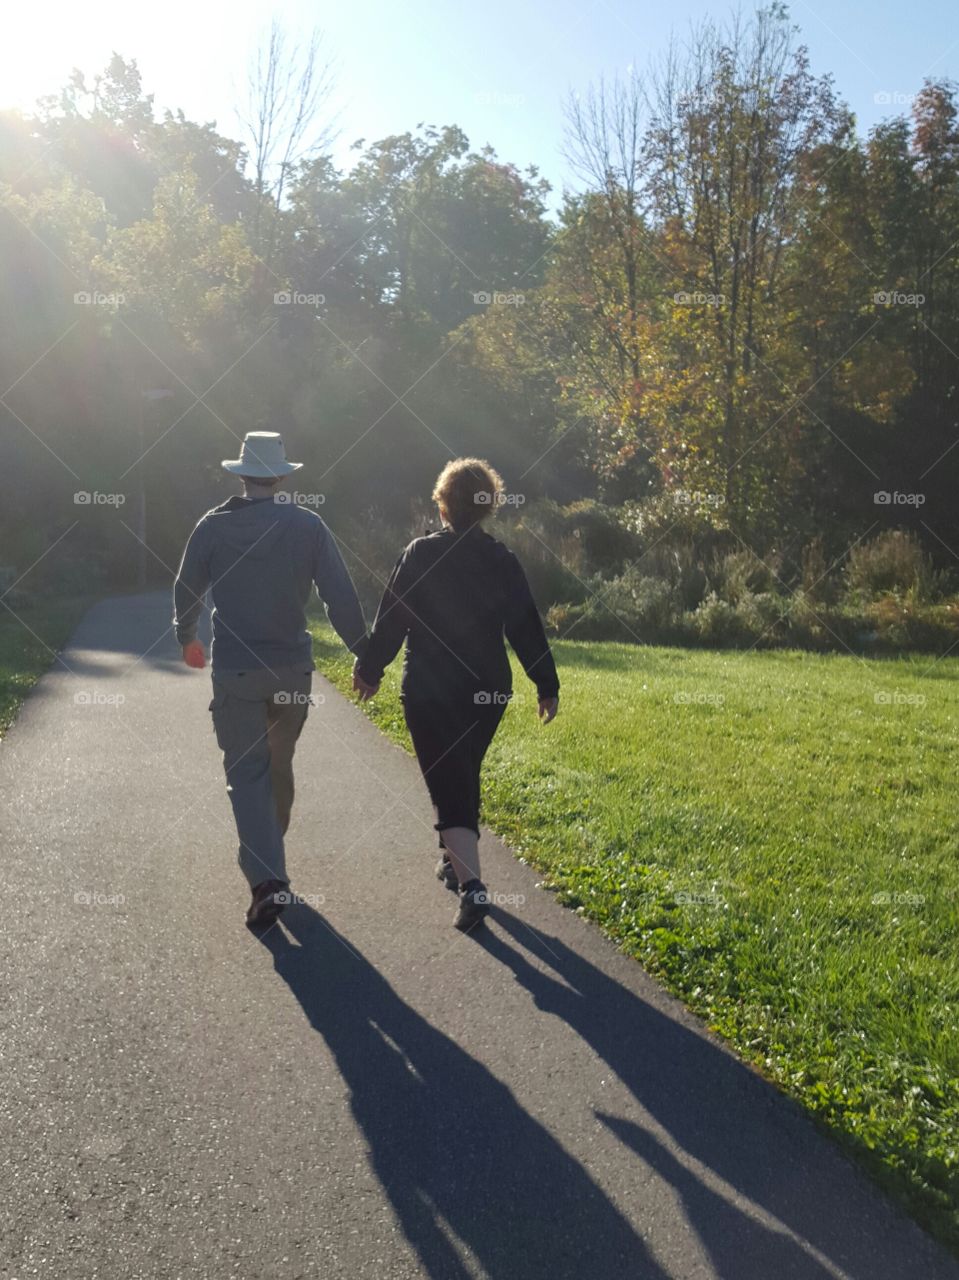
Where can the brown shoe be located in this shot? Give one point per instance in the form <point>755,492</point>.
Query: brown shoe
<point>269,899</point>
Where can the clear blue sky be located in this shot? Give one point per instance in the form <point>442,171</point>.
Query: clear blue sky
<point>500,69</point>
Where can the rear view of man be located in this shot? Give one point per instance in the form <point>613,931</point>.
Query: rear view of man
<point>261,556</point>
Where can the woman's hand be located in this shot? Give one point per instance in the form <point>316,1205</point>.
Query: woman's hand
<point>360,686</point>
<point>548,709</point>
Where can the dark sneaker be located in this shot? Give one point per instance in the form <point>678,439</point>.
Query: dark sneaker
<point>474,905</point>
<point>445,873</point>
<point>269,899</point>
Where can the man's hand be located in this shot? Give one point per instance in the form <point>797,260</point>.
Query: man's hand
<point>194,655</point>
<point>548,709</point>
<point>366,691</point>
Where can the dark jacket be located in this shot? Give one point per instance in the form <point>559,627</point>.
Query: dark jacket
<point>453,597</point>
<point>262,558</point>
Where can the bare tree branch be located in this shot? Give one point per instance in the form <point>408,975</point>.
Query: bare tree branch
<point>288,88</point>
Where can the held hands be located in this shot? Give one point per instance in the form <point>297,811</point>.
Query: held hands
<point>548,709</point>
<point>366,691</point>
<point>194,655</point>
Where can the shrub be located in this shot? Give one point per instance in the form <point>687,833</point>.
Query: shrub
<point>554,565</point>
<point>716,621</point>
<point>818,580</point>
<point>893,561</point>
<point>631,607</point>
<point>903,624</point>
<point>580,622</point>
<point>742,573</point>
<point>648,604</point>
<point>759,619</point>
<point>597,535</point>
<point>607,543</point>
<point>677,563</point>
<point>677,516</point>
<point>764,617</point>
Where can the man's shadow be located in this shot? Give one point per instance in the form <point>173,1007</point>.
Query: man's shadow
<point>449,1143</point>
<point>717,1110</point>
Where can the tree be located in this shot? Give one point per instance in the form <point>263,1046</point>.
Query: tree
<point>288,88</point>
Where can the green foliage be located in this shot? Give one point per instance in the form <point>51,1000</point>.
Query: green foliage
<point>642,426</point>
<point>893,561</point>
<point>30,638</point>
<point>685,589</point>
<point>741,574</point>
<point>719,622</point>
<point>604,542</point>
<point>631,606</point>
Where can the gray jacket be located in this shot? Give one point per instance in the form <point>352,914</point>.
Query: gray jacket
<point>261,560</point>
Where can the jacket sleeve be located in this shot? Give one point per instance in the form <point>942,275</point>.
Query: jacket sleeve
<point>525,632</point>
<point>336,590</point>
<point>192,582</point>
<point>391,625</point>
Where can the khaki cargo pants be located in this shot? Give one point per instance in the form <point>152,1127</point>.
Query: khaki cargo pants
<point>258,716</point>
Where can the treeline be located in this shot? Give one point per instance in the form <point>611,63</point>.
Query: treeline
<point>738,336</point>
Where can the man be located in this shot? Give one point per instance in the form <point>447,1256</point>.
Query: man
<point>261,555</point>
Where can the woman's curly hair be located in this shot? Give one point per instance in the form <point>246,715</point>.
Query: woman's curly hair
<point>468,490</point>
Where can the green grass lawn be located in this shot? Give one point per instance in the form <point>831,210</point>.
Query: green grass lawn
<point>775,834</point>
<point>28,643</point>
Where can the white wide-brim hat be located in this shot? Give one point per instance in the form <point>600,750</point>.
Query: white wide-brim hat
<point>262,456</point>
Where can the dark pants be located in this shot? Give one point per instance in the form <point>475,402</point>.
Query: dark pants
<point>450,740</point>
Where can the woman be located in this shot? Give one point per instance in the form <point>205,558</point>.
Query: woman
<point>452,596</point>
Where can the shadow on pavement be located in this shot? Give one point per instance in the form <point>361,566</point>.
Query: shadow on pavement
<point>717,1110</point>
<point>738,1247</point>
<point>454,1151</point>
<point>138,627</point>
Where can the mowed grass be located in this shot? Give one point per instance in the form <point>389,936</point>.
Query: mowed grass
<point>776,835</point>
<point>29,640</point>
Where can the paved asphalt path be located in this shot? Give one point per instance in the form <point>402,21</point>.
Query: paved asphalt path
<point>363,1092</point>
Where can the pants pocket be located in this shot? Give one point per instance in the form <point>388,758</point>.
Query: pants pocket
<point>219,697</point>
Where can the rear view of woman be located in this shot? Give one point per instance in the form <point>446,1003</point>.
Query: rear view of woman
<point>453,596</point>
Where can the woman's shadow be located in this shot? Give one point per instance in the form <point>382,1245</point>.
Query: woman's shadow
<point>449,1142</point>
<point>727,1117</point>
